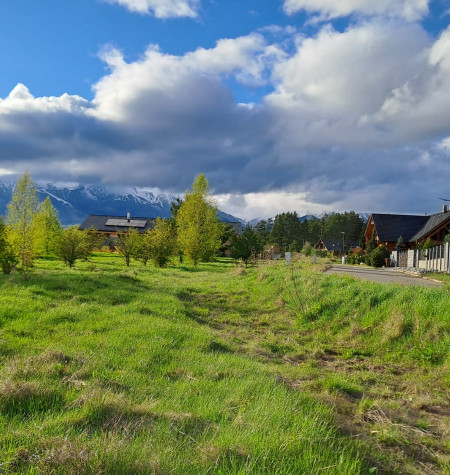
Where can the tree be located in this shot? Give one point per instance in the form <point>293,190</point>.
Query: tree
<point>400,246</point>
<point>174,208</point>
<point>163,242</point>
<point>262,229</point>
<point>286,228</point>
<point>127,244</point>
<point>8,259</point>
<point>198,227</point>
<point>49,227</point>
<point>142,252</point>
<point>246,246</point>
<point>21,219</point>
<point>72,244</point>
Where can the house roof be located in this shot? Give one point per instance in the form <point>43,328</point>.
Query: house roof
<point>106,223</point>
<point>434,221</point>
<point>336,244</point>
<point>411,227</point>
<point>391,226</point>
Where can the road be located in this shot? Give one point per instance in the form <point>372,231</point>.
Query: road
<point>382,275</point>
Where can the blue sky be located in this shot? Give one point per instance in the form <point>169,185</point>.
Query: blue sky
<point>284,104</point>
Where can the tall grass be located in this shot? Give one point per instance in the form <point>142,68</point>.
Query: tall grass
<point>209,370</point>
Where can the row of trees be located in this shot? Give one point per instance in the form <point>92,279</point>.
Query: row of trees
<point>32,229</point>
<point>288,232</point>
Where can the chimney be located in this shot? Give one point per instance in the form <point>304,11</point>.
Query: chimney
<point>444,208</point>
<point>128,216</point>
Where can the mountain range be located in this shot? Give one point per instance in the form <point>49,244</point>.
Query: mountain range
<point>75,202</point>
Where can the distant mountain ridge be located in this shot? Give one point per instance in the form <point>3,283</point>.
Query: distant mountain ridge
<point>75,202</point>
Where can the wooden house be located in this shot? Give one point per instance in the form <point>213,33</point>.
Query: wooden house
<point>335,245</point>
<point>414,229</point>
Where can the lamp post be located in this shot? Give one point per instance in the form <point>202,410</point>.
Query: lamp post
<point>343,245</point>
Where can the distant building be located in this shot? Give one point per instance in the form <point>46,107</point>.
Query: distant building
<point>414,229</point>
<point>335,245</point>
<point>112,225</point>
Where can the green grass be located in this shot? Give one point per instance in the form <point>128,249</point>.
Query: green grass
<point>219,369</point>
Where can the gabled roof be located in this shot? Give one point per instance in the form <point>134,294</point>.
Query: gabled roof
<point>391,226</point>
<point>411,227</point>
<point>336,244</point>
<point>434,221</point>
<point>116,223</point>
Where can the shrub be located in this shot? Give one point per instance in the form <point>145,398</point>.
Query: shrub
<point>377,257</point>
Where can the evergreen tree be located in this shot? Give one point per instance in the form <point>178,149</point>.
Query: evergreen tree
<point>262,230</point>
<point>21,219</point>
<point>198,227</point>
<point>286,228</point>
<point>246,246</point>
<point>48,226</point>
<point>400,246</point>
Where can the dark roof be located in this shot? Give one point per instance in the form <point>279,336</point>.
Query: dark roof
<point>411,227</point>
<point>433,222</point>
<point>391,226</point>
<point>98,222</point>
<point>336,244</point>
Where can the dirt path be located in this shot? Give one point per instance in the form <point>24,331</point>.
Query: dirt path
<point>381,275</point>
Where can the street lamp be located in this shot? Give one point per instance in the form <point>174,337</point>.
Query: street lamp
<point>343,245</point>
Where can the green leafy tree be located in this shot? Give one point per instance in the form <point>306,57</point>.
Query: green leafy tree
<point>48,226</point>
<point>246,246</point>
<point>73,244</point>
<point>163,242</point>
<point>127,243</point>
<point>174,207</point>
<point>199,230</point>
<point>21,220</point>
<point>142,251</point>
<point>8,259</point>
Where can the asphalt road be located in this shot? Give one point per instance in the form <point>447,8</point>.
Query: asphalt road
<point>381,275</point>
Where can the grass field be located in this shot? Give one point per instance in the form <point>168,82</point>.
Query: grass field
<point>220,369</point>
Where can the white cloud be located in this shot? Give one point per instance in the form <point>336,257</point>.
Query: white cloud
<point>163,77</point>
<point>410,10</point>
<point>162,8</point>
<point>353,122</point>
<point>20,99</point>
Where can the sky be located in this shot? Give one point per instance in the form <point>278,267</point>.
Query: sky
<point>285,105</point>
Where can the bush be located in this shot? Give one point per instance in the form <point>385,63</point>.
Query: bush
<point>377,257</point>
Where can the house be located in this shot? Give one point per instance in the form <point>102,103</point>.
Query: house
<point>414,229</point>
<point>112,225</point>
<point>335,245</point>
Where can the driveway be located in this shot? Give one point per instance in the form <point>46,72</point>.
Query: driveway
<point>385,276</point>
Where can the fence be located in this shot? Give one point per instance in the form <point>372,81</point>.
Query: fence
<point>435,259</point>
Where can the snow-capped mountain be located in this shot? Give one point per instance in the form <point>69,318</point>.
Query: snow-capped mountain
<point>74,202</point>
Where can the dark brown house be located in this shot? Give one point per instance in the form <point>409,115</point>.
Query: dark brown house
<point>414,229</point>
<point>111,225</point>
<point>335,245</point>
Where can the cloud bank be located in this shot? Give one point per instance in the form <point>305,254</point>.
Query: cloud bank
<point>161,8</point>
<point>410,10</point>
<point>355,120</point>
